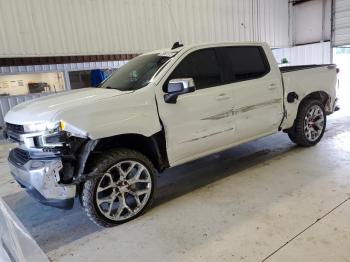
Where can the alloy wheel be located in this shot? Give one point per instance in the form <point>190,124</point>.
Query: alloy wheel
<point>123,190</point>
<point>314,123</point>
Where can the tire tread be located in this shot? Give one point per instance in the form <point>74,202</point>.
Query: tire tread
<point>100,163</point>
<point>296,134</point>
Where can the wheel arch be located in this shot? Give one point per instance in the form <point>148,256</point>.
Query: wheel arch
<point>293,109</point>
<point>321,96</point>
<point>152,147</point>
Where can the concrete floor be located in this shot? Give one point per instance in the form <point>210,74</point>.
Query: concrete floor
<point>263,201</point>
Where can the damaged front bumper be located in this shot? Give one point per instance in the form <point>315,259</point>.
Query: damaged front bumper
<point>41,179</point>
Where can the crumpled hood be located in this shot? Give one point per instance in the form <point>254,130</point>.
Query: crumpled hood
<point>46,108</point>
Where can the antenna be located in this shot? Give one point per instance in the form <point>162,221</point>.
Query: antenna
<point>176,45</point>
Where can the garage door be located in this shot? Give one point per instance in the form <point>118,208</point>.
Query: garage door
<point>342,23</point>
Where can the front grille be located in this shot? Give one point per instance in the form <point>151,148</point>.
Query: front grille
<point>18,129</point>
<point>19,157</point>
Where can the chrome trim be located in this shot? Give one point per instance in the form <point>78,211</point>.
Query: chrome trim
<point>186,82</point>
<point>314,123</point>
<point>43,142</point>
<point>43,175</point>
<point>27,139</point>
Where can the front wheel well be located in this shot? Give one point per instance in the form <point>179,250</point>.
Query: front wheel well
<point>152,147</point>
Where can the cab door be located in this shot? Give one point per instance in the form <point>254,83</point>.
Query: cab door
<point>199,122</point>
<point>256,88</point>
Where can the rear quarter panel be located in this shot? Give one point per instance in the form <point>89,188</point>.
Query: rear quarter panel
<point>304,82</point>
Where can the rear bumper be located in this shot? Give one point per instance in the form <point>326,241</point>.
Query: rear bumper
<point>41,177</point>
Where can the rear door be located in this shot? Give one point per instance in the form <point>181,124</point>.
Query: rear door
<point>257,91</point>
<point>199,122</point>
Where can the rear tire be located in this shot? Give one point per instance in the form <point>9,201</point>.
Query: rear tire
<point>122,190</point>
<point>309,125</point>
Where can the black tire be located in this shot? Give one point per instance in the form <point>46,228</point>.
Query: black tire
<point>297,133</point>
<point>100,165</point>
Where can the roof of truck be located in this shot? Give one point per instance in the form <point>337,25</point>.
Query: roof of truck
<point>210,44</point>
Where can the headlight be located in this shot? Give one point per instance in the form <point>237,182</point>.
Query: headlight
<point>35,127</point>
<point>53,134</point>
<point>43,126</point>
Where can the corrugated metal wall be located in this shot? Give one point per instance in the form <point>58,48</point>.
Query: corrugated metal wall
<point>319,53</point>
<point>273,22</point>
<point>60,67</point>
<point>82,27</point>
<point>342,23</point>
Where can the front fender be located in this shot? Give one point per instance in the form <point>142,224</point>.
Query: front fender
<point>135,113</point>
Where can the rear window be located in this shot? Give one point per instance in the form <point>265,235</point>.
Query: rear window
<point>243,63</point>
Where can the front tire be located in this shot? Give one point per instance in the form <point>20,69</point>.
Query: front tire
<point>309,125</point>
<point>122,190</point>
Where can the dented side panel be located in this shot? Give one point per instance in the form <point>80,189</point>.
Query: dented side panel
<point>304,82</point>
<point>216,118</point>
<point>257,104</point>
<point>198,122</point>
<point>133,113</point>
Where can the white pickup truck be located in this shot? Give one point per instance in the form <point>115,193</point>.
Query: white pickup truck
<point>164,108</point>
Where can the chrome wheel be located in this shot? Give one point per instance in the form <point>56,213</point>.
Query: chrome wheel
<point>314,123</point>
<point>124,190</point>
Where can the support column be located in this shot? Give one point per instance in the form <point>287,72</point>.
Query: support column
<point>67,80</point>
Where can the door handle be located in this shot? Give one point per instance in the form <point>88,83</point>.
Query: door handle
<point>222,96</point>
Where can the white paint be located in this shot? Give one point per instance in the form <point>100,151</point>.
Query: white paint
<point>103,113</point>
<point>53,28</point>
<point>305,82</point>
<point>83,109</point>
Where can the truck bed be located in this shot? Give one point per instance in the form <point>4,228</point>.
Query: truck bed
<point>304,80</point>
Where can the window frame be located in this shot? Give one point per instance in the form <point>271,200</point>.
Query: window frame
<point>262,54</point>
<point>222,82</point>
<point>221,63</point>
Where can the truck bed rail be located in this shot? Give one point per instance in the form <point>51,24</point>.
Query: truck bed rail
<point>285,69</point>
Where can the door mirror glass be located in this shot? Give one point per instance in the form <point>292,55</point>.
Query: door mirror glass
<point>178,87</point>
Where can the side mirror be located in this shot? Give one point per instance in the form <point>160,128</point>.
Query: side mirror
<point>178,87</point>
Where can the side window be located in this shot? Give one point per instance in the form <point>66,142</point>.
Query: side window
<point>202,66</point>
<point>243,63</point>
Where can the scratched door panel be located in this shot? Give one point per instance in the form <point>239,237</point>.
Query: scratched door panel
<point>257,90</point>
<point>198,122</point>
<point>257,107</point>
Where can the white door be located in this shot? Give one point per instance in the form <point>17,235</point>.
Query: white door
<point>257,91</point>
<point>199,122</point>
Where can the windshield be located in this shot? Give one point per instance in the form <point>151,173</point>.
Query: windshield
<point>135,74</point>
